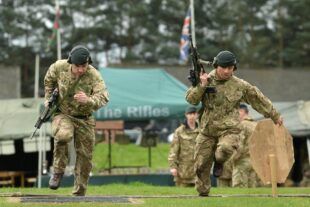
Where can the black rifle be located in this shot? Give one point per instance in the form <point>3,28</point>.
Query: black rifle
<point>194,73</point>
<point>47,113</point>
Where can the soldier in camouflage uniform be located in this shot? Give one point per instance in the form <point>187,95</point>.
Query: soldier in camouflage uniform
<point>305,182</point>
<point>81,92</point>
<point>181,155</point>
<point>243,174</point>
<point>219,126</point>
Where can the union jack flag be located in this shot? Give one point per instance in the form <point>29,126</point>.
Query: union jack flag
<point>184,43</point>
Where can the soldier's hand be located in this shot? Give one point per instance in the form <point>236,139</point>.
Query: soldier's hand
<point>280,121</point>
<point>46,103</point>
<point>81,97</point>
<point>204,79</point>
<point>174,172</point>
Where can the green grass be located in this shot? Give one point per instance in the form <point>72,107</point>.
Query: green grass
<point>130,155</point>
<point>148,190</point>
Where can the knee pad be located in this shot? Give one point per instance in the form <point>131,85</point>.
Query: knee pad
<point>62,129</point>
<point>223,153</point>
<point>64,135</point>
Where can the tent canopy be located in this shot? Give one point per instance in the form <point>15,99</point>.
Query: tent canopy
<point>137,94</point>
<point>18,117</point>
<point>296,116</point>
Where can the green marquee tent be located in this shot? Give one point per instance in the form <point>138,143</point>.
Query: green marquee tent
<point>142,94</point>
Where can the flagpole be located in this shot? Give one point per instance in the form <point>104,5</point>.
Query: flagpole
<point>193,22</point>
<point>36,76</point>
<point>58,33</point>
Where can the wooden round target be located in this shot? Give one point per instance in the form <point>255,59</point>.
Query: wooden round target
<point>267,139</point>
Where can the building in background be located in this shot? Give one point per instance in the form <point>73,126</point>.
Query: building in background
<point>10,82</point>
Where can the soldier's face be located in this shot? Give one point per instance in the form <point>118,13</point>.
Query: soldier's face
<point>192,117</point>
<point>224,73</point>
<point>79,70</point>
<point>242,114</point>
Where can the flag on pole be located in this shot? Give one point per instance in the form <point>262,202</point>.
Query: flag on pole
<point>184,43</point>
<point>53,38</point>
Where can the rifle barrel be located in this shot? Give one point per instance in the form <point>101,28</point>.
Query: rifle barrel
<point>33,133</point>
<point>205,62</point>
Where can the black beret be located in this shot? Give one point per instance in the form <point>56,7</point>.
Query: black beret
<point>79,55</point>
<point>191,109</point>
<point>244,106</point>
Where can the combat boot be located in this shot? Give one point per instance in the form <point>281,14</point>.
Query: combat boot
<point>203,194</point>
<point>54,182</point>
<point>217,169</point>
<point>79,190</point>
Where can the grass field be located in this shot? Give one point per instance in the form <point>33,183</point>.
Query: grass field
<point>130,155</point>
<point>136,189</point>
<point>133,155</point>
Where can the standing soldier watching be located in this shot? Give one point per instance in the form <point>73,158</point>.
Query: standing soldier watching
<point>81,92</point>
<point>181,155</point>
<point>219,126</point>
<point>243,173</point>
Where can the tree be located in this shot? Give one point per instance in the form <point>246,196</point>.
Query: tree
<point>296,32</point>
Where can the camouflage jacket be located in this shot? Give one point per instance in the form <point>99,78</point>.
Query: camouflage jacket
<point>59,75</point>
<point>220,111</point>
<point>181,155</point>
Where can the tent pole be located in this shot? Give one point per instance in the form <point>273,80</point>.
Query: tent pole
<point>36,77</point>
<point>44,161</point>
<point>40,159</point>
<point>150,156</point>
<point>308,146</point>
<point>110,151</point>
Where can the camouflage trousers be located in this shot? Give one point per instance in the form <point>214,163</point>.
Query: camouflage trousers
<point>206,148</point>
<point>64,129</point>
<point>244,175</point>
<point>179,182</point>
